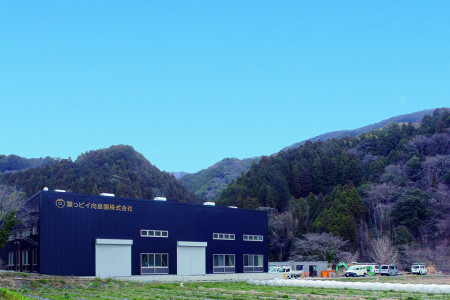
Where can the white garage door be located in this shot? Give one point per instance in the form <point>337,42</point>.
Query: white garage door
<point>191,258</point>
<point>112,258</point>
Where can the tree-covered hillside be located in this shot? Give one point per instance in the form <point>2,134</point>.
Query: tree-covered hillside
<point>392,181</point>
<point>413,118</point>
<point>210,183</point>
<point>118,169</point>
<point>14,163</point>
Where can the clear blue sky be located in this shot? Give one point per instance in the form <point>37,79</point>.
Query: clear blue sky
<point>188,83</point>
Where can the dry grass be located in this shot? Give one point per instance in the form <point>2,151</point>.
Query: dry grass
<point>62,287</point>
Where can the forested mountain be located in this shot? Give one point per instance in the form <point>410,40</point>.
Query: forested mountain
<point>118,169</point>
<point>14,163</point>
<point>408,118</point>
<point>392,181</point>
<point>210,183</point>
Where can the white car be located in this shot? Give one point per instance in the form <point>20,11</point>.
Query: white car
<point>355,271</point>
<point>273,269</point>
<point>419,269</point>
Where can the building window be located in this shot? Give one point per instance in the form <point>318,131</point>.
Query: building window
<point>26,233</point>
<point>17,258</point>
<point>25,255</point>
<point>154,263</point>
<point>253,238</point>
<point>224,263</point>
<point>154,233</point>
<point>35,230</point>
<point>35,257</point>
<point>223,236</point>
<point>11,259</point>
<point>253,263</point>
<point>298,267</point>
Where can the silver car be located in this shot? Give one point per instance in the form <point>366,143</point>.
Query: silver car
<point>388,270</point>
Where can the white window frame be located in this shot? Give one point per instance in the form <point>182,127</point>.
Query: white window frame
<point>154,233</point>
<point>252,268</point>
<point>10,259</point>
<point>154,268</point>
<point>224,236</point>
<point>231,269</point>
<point>253,238</point>
<point>25,257</point>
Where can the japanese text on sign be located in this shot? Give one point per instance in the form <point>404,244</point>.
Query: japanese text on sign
<point>60,203</point>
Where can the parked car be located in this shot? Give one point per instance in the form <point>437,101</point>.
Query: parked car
<point>388,270</point>
<point>289,272</point>
<point>376,269</point>
<point>419,269</point>
<point>355,271</point>
<point>273,269</point>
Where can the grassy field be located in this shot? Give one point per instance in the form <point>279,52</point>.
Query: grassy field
<point>31,286</point>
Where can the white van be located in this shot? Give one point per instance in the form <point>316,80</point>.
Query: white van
<point>419,269</point>
<point>388,270</point>
<point>376,269</point>
<point>355,271</point>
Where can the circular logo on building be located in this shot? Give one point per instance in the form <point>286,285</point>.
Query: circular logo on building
<point>60,203</point>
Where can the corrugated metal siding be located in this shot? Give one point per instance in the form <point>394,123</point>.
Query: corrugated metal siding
<point>68,233</point>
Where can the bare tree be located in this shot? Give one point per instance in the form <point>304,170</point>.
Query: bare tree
<point>434,168</point>
<point>384,252</point>
<point>349,256</point>
<point>380,201</point>
<point>283,226</point>
<point>12,211</point>
<point>438,257</point>
<point>418,144</point>
<point>315,246</point>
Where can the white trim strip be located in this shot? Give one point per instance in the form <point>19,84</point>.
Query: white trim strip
<point>113,242</point>
<point>192,244</point>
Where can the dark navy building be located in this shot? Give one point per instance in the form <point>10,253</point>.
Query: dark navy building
<point>88,235</point>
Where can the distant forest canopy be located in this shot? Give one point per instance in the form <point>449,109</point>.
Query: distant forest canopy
<point>415,117</point>
<point>119,170</point>
<point>393,181</point>
<point>211,182</point>
<point>15,163</point>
